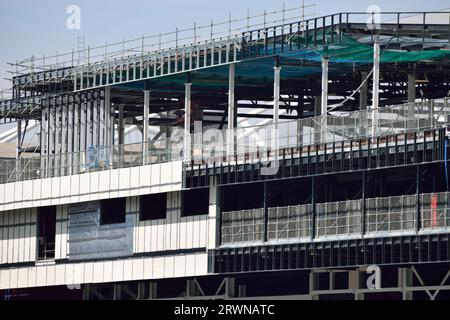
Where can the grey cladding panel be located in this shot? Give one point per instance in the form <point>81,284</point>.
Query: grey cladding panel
<point>90,240</point>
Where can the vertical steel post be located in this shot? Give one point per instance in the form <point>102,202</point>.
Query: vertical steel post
<point>231,109</point>
<point>187,119</point>
<point>145,126</point>
<point>324,98</point>
<point>376,83</point>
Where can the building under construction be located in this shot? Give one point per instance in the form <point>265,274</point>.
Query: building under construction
<point>272,157</point>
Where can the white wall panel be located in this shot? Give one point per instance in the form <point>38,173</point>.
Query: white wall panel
<point>46,191</point>
<point>22,277</point>
<point>17,236</point>
<point>60,274</point>
<point>41,276</point>
<point>75,188</point>
<point>27,191</point>
<point>124,182</point>
<point>107,271</point>
<point>103,184</point>
<point>3,237</point>
<point>18,193</point>
<point>56,188</point>
<point>85,183</point>
<point>14,278</point>
<point>134,181</point>
<point>98,272</point>
<point>155,178</point>
<point>88,272</point>
<point>2,194</point>
<point>128,270</point>
<point>37,194</point>
<point>117,270</point>
<point>158,267</point>
<point>65,187</point>
<point>138,269</point>
<point>50,276</point>
<point>32,274</point>
<point>93,185</point>
<point>104,271</point>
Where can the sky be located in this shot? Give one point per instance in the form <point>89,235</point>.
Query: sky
<point>30,27</point>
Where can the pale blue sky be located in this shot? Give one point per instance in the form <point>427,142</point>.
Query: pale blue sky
<point>30,27</point>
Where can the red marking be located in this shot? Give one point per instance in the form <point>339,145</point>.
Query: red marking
<point>433,210</point>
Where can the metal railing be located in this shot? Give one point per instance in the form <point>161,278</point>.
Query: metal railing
<point>164,54</point>
<point>154,44</point>
<point>208,147</point>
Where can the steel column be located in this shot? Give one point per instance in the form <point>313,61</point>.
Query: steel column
<point>376,83</point>
<point>231,110</point>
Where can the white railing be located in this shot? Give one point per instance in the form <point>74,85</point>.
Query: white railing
<point>212,145</point>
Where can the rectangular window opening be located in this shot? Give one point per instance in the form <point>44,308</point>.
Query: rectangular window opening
<point>112,211</point>
<point>46,232</point>
<point>195,202</point>
<point>153,206</point>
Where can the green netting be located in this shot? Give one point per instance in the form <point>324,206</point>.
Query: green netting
<point>351,51</point>
<point>260,71</point>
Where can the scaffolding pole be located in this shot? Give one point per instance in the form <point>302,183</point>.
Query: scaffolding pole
<point>376,84</point>
<point>231,109</point>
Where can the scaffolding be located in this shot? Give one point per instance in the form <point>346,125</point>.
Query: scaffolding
<point>249,143</point>
<point>383,216</point>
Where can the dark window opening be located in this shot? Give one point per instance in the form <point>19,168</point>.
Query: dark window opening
<point>112,211</point>
<point>47,231</point>
<point>153,206</point>
<point>195,202</point>
<point>242,197</point>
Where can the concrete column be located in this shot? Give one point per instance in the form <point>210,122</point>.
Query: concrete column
<point>145,123</point>
<point>187,121</point>
<point>231,109</point>
<point>376,84</point>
